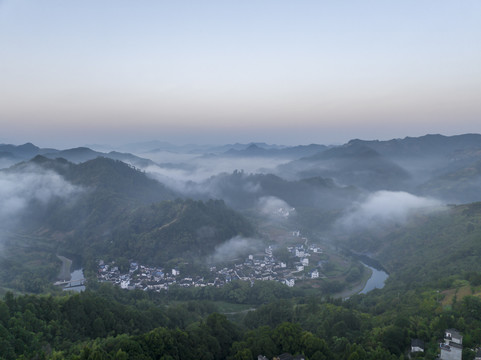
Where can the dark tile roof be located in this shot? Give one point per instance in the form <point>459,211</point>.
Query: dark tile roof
<point>418,343</point>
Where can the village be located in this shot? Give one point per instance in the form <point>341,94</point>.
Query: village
<point>304,262</point>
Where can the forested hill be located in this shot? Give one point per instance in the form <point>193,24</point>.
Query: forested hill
<point>105,209</point>
<point>185,230</point>
<point>107,175</point>
<point>122,212</point>
<point>243,191</point>
<point>432,249</point>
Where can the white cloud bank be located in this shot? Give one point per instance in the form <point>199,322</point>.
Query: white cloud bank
<point>199,169</point>
<point>19,188</point>
<point>386,207</point>
<point>275,208</point>
<point>236,247</point>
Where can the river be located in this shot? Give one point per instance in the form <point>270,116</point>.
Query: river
<point>376,281</point>
<point>75,276</point>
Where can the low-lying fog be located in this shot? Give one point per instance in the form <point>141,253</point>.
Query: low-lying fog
<point>385,208</point>
<point>179,171</point>
<point>20,188</point>
<point>353,187</point>
<point>29,189</point>
<point>358,209</point>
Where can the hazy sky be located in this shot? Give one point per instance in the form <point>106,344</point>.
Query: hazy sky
<point>115,71</point>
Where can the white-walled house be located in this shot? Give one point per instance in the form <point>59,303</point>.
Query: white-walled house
<point>417,345</point>
<point>452,347</point>
<point>300,253</point>
<point>299,267</point>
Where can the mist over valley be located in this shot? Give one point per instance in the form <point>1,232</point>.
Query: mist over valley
<point>240,180</point>
<point>246,223</point>
<point>132,205</point>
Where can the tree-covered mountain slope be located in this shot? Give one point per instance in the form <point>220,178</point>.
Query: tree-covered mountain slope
<point>350,164</point>
<point>185,229</point>
<point>460,185</point>
<point>431,249</point>
<point>106,175</point>
<point>243,191</point>
<point>107,209</point>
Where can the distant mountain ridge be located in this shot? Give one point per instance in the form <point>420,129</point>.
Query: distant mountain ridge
<point>21,152</point>
<point>431,144</point>
<point>446,167</point>
<point>349,150</point>
<point>291,152</point>
<point>350,164</point>
<point>159,146</point>
<point>434,144</point>
<point>432,165</point>
<point>17,153</point>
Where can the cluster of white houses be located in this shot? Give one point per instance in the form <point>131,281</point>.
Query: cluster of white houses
<point>267,267</point>
<point>261,267</point>
<point>148,277</point>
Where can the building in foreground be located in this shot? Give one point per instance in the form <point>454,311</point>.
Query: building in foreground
<point>452,347</point>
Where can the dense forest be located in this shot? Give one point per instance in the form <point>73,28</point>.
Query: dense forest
<point>108,323</point>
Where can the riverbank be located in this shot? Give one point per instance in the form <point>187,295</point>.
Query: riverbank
<point>355,289</point>
<point>65,269</point>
